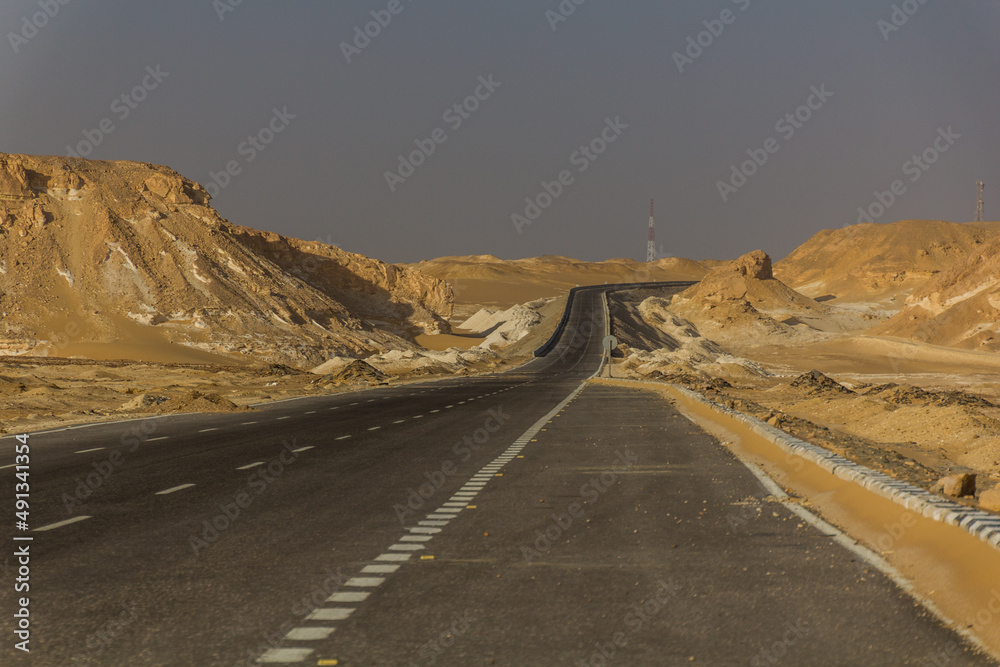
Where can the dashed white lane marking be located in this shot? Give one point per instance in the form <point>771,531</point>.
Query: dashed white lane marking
<point>371,400</point>
<point>60,524</point>
<point>309,634</point>
<point>285,655</point>
<point>448,406</point>
<point>354,404</point>
<point>400,552</point>
<point>206,430</point>
<point>162,437</point>
<point>349,596</point>
<point>365,582</point>
<point>280,418</point>
<point>399,422</point>
<point>247,423</point>
<point>251,465</point>
<point>311,412</point>
<point>174,489</point>
<point>374,428</point>
<point>379,569</point>
<point>302,449</point>
<point>343,437</point>
<point>336,407</point>
<point>330,614</point>
<point>419,417</point>
<point>84,451</point>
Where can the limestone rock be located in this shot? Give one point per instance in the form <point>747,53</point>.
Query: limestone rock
<point>957,486</point>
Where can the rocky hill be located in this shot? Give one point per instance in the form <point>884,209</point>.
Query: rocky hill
<point>744,304</point>
<point>958,307</point>
<point>880,264</point>
<point>127,259</point>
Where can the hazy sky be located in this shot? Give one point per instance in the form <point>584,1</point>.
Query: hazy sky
<point>555,83</point>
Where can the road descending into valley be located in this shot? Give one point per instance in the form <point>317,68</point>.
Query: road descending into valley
<point>523,518</point>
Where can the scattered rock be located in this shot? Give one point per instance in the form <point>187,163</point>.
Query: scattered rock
<point>957,486</point>
<point>195,401</point>
<point>990,500</point>
<point>816,382</point>
<point>144,402</point>
<point>355,372</point>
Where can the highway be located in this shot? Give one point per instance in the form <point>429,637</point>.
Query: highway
<point>522,518</point>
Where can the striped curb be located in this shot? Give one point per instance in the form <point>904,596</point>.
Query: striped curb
<point>981,524</point>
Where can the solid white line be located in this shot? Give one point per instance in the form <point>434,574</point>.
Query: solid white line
<point>84,451</point>
<point>5,467</point>
<point>302,449</point>
<point>251,465</point>
<point>349,596</point>
<point>174,489</point>
<point>330,614</point>
<point>309,634</point>
<point>60,524</point>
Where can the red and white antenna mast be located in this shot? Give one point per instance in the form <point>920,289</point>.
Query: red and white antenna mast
<point>651,245</point>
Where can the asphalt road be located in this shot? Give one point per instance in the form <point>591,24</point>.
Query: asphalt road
<point>511,519</point>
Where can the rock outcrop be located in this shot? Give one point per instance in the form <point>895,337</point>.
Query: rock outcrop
<point>127,259</point>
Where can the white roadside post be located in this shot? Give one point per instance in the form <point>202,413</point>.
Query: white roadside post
<point>609,343</point>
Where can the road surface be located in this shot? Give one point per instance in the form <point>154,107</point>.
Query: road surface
<point>523,518</point>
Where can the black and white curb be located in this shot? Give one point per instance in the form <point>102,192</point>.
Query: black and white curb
<point>981,524</point>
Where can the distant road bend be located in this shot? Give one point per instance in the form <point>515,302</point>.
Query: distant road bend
<point>521,518</point>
